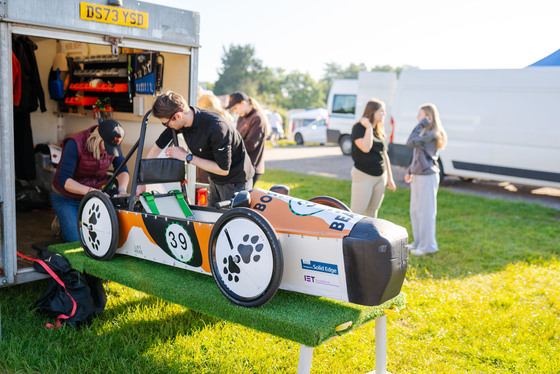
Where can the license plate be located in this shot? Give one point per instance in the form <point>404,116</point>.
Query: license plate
<point>113,15</point>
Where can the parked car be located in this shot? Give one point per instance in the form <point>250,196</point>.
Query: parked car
<point>314,132</point>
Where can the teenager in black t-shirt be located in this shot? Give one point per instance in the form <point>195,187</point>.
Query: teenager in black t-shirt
<point>372,169</point>
<point>215,145</point>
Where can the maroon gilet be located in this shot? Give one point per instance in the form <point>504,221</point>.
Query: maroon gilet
<point>89,171</point>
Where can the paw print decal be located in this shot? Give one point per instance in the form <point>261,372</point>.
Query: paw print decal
<point>93,217</point>
<point>231,268</point>
<point>247,251</point>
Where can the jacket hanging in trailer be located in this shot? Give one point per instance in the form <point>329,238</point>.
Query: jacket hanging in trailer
<point>32,97</point>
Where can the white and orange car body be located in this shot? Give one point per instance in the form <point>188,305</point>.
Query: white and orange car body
<point>326,251</point>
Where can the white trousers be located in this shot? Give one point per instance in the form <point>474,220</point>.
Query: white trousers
<point>423,211</point>
<point>367,192</point>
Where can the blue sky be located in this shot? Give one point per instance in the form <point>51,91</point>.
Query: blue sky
<point>304,35</point>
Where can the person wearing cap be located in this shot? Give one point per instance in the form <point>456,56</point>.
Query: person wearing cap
<point>85,160</point>
<point>252,124</point>
<point>214,146</point>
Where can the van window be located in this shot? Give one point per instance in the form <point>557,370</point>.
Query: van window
<point>344,104</point>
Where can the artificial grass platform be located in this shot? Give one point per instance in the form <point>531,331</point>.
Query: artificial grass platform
<point>305,319</point>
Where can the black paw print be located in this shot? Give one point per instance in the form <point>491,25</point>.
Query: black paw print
<point>246,250</point>
<point>94,216</point>
<point>231,268</point>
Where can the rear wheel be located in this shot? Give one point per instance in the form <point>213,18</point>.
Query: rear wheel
<point>98,226</point>
<point>298,138</point>
<point>330,201</point>
<point>345,144</point>
<point>245,257</point>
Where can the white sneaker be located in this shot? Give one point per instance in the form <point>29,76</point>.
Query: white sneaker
<point>417,252</point>
<point>412,245</point>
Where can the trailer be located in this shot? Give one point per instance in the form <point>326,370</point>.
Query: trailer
<point>117,52</point>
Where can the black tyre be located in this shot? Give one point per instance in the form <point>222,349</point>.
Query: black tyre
<point>441,173</point>
<point>330,201</point>
<point>98,226</point>
<point>245,257</point>
<point>345,143</point>
<point>298,138</point>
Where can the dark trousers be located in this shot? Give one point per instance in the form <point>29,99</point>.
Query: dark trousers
<point>221,192</point>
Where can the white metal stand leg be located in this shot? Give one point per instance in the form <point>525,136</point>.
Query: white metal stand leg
<point>305,360</point>
<point>380,346</point>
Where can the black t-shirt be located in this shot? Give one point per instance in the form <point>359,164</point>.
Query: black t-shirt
<point>371,163</point>
<point>212,137</point>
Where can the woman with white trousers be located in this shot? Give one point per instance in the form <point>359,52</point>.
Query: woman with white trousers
<point>427,138</point>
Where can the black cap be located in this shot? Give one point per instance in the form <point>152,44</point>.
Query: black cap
<point>112,134</point>
<point>236,98</point>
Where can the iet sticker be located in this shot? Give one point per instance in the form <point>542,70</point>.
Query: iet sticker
<point>320,266</point>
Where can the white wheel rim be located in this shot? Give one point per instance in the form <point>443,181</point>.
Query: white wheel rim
<point>244,257</point>
<point>96,228</point>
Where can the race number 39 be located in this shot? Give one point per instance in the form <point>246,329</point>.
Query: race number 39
<point>179,242</point>
<point>113,15</point>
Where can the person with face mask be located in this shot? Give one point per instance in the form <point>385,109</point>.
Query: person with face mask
<point>427,138</point>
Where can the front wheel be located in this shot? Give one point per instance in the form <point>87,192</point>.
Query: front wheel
<point>299,139</point>
<point>98,226</point>
<point>245,257</point>
<point>345,144</point>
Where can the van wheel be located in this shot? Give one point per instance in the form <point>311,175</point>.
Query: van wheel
<point>441,173</point>
<point>345,144</point>
<point>299,139</point>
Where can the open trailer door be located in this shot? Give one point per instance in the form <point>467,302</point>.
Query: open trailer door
<point>115,50</point>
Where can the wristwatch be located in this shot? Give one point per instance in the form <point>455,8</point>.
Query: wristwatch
<point>189,158</point>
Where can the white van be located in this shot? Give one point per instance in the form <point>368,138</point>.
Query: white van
<point>502,124</point>
<point>348,98</point>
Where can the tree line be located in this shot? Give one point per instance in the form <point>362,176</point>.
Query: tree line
<point>241,70</point>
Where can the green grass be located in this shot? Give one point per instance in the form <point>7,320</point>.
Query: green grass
<point>488,302</point>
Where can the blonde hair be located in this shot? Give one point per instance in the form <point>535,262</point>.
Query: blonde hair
<point>255,104</point>
<point>372,106</point>
<point>93,144</point>
<point>434,124</point>
<point>211,102</point>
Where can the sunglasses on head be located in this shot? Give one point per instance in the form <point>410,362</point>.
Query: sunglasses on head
<point>172,118</point>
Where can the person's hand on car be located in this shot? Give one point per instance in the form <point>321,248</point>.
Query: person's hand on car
<point>176,152</point>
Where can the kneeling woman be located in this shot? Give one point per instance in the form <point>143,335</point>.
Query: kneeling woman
<point>86,158</point>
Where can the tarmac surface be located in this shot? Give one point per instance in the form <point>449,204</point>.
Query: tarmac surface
<point>328,161</point>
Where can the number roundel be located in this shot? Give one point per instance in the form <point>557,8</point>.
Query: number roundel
<point>179,242</point>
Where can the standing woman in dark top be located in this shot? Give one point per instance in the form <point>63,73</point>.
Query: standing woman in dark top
<point>372,169</point>
<point>252,124</point>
